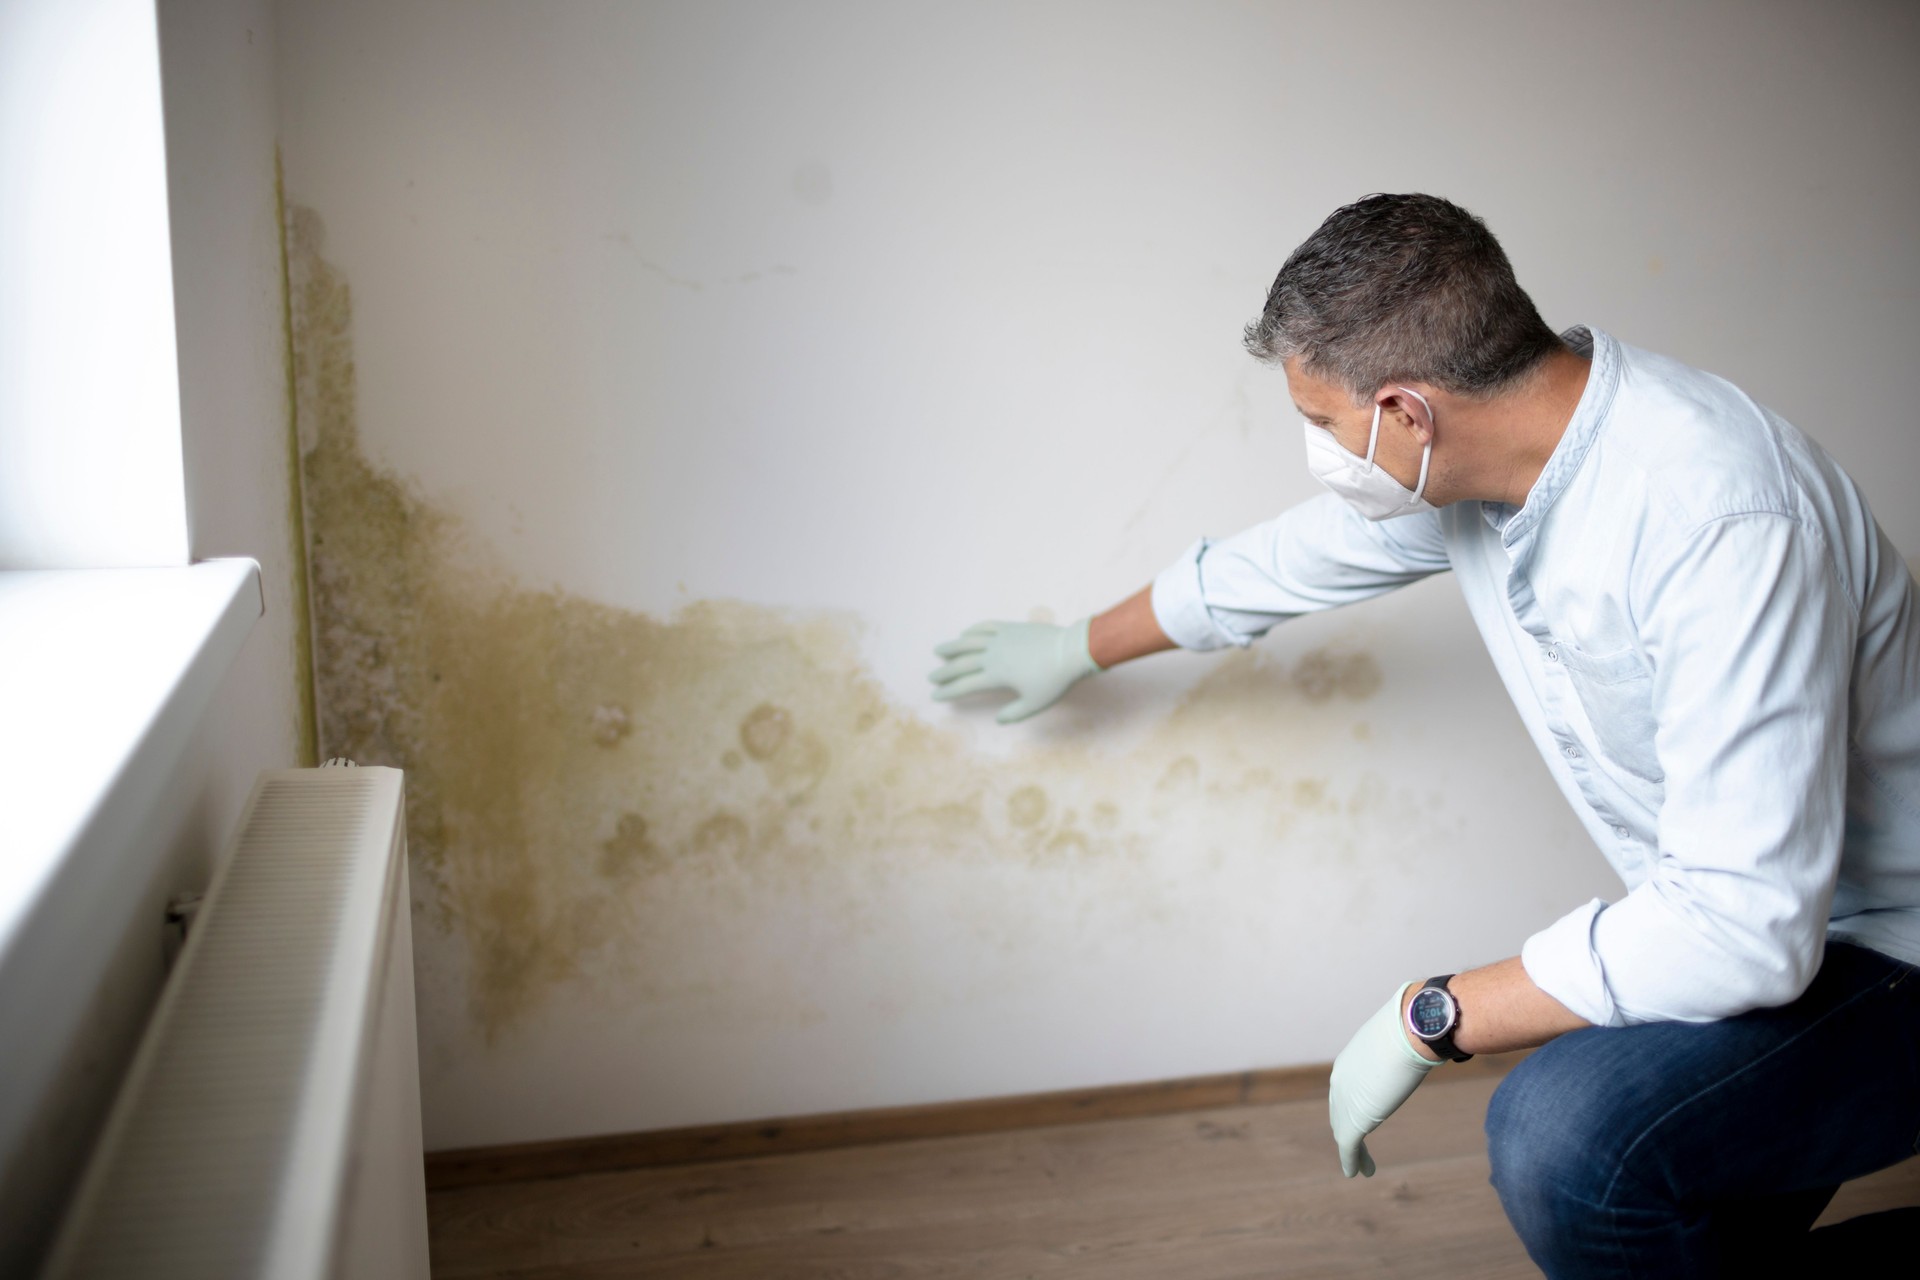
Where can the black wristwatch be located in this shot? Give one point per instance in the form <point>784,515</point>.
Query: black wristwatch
<point>1433,1015</point>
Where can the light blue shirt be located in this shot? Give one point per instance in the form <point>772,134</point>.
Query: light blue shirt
<point>1713,645</point>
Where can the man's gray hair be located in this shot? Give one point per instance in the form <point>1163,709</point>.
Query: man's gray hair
<point>1403,288</point>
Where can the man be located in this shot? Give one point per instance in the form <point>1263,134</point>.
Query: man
<point>1718,653</point>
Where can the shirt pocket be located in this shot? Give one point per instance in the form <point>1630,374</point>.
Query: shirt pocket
<point>1617,691</point>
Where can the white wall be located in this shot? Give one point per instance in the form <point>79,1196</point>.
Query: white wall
<point>231,440</point>
<point>240,463</point>
<point>920,314</point>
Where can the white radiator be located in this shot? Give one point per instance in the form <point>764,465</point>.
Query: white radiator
<point>270,1124</point>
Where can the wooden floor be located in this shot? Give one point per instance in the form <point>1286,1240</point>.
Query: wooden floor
<point>1238,1192</point>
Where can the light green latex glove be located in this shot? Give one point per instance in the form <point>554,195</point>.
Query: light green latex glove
<point>1037,660</point>
<point>1377,1071</point>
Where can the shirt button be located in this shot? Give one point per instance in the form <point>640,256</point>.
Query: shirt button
<point>1621,832</point>
<point>1572,753</point>
<point>1553,655</point>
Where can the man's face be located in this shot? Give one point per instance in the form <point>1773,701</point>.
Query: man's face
<point>1326,404</point>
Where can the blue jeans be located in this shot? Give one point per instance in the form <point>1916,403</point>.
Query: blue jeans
<point>1704,1149</point>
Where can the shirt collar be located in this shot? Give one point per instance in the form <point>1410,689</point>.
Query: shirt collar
<point>1603,378</point>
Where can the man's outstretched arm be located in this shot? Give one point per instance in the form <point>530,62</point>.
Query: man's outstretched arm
<point>1127,631</point>
<point>1317,555</point>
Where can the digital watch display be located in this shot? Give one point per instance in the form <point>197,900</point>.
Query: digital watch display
<point>1433,1016</point>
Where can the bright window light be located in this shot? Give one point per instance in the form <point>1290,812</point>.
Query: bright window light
<point>90,455</point>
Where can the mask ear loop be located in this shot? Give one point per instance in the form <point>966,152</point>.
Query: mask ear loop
<point>1426,454</point>
<point>1373,437</point>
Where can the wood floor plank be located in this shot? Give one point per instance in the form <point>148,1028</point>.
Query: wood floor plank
<point>1430,1221</point>
<point>478,1166</point>
<point>913,1180</point>
<point>1232,1193</point>
<point>1894,1188</point>
<point>1235,1183</point>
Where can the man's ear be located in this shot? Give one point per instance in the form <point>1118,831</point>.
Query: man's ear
<point>1407,410</point>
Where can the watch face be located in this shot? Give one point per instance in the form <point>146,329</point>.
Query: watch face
<point>1431,1013</point>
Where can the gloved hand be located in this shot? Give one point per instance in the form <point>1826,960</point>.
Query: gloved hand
<point>1037,660</point>
<point>1377,1071</point>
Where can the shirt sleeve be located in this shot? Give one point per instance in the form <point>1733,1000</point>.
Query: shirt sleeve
<point>1314,556</point>
<point>1749,632</point>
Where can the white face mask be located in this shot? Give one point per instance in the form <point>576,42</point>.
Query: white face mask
<point>1366,487</point>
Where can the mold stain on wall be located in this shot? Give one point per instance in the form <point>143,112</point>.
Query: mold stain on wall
<point>307,712</point>
<point>594,793</point>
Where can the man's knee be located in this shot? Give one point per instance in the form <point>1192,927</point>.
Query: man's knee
<point>1554,1135</point>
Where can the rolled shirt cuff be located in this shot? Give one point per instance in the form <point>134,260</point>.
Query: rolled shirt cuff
<point>1180,607</point>
<point>1562,962</point>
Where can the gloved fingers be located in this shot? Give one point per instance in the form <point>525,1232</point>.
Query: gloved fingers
<point>1019,709</point>
<point>987,628</point>
<point>1355,1158</point>
<point>964,666</point>
<point>965,685</point>
<point>961,647</point>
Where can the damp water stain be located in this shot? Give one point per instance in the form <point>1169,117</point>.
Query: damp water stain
<point>1027,807</point>
<point>766,730</point>
<point>592,790</point>
<point>628,849</point>
<point>610,725</point>
<point>1323,675</point>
